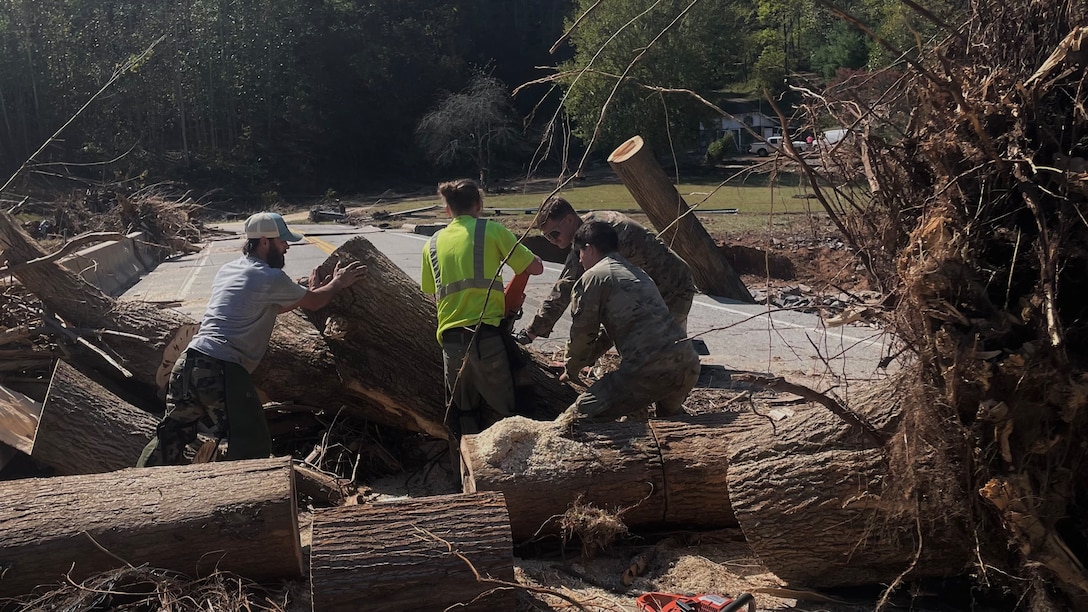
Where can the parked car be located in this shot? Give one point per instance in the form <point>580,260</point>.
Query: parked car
<point>764,149</point>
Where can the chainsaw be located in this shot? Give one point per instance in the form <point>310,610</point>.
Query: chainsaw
<point>673,602</point>
<point>514,298</point>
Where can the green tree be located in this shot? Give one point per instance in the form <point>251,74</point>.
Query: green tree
<point>624,45</point>
<point>843,46</point>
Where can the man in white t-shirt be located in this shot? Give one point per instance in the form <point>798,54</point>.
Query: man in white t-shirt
<point>210,384</point>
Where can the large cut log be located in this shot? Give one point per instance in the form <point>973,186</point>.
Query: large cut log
<point>659,472</point>
<point>413,554</point>
<point>381,327</point>
<point>85,429</point>
<point>639,171</point>
<point>236,516</point>
<point>814,498</point>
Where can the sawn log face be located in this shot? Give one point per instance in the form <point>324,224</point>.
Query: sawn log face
<point>810,494</point>
<point>399,555</point>
<point>236,516</point>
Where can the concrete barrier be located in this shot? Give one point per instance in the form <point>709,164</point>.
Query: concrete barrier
<point>114,266</point>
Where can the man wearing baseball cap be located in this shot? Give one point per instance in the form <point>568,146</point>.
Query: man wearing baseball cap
<point>210,384</point>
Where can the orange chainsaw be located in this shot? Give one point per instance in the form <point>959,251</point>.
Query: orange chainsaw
<point>515,295</point>
<point>673,602</point>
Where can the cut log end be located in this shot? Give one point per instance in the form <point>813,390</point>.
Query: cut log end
<point>626,150</point>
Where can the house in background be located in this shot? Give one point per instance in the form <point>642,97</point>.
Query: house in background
<point>744,114</point>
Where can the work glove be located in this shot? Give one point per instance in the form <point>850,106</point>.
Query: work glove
<point>522,337</point>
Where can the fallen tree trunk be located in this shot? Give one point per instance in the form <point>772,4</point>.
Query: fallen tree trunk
<point>639,171</point>
<point>817,502</point>
<point>412,555</point>
<point>652,473</point>
<point>236,516</point>
<point>85,429</point>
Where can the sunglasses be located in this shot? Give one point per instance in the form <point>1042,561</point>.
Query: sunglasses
<point>553,235</point>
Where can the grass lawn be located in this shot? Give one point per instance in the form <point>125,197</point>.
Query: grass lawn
<point>759,207</point>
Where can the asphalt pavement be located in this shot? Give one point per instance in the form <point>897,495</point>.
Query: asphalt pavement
<point>739,337</point>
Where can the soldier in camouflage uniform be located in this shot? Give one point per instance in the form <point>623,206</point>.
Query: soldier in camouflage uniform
<point>657,363</point>
<point>558,222</point>
<point>210,386</point>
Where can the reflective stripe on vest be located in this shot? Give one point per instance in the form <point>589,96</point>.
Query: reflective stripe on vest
<point>479,279</point>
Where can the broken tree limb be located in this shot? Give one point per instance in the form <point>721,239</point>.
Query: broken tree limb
<point>85,429</point>
<point>635,165</point>
<point>15,334</point>
<point>653,473</point>
<point>236,516</point>
<point>322,487</point>
<point>84,305</point>
<point>817,503</point>
<point>415,554</point>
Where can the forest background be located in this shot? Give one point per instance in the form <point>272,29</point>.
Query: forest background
<point>297,99</point>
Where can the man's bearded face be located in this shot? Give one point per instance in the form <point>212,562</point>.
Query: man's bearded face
<point>275,255</point>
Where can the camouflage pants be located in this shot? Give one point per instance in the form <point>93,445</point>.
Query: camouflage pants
<point>679,307</point>
<point>631,389</point>
<point>216,397</point>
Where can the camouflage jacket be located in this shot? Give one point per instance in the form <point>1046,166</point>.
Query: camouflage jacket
<point>622,298</point>
<point>638,245</point>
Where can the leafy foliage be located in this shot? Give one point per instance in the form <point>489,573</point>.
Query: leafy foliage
<point>622,46</point>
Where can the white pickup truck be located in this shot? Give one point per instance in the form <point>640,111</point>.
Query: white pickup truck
<point>764,149</point>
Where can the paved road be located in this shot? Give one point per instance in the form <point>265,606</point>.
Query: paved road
<point>738,336</point>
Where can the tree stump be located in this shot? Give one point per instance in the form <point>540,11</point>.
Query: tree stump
<point>407,554</point>
<point>651,473</point>
<point>236,516</point>
<point>639,171</point>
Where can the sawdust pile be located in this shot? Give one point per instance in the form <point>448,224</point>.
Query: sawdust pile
<point>518,445</point>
